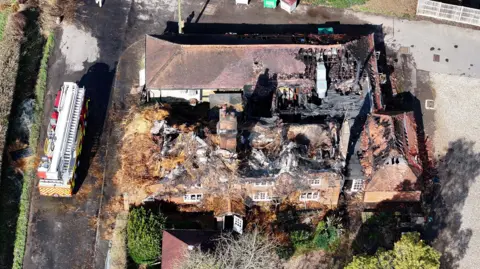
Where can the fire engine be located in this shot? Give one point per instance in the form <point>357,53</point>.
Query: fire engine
<point>63,144</point>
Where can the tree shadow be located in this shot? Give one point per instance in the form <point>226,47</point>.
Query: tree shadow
<point>457,170</point>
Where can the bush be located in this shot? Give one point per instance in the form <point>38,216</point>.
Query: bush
<point>409,252</point>
<point>300,238</point>
<point>144,236</point>
<point>325,236</point>
<point>285,252</point>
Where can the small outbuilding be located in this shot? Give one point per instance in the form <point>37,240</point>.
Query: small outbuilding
<point>244,2</point>
<point>288,5</point>
<point>270,3</point>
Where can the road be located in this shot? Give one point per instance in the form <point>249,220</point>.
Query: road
<point>63,232</point>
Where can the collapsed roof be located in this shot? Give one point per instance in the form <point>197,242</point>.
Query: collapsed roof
<point>390,159</point>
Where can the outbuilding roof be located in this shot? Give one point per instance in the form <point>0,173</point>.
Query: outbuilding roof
<point>175,244</point>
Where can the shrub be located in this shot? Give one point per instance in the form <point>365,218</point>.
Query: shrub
<point>409,252</point>
<point>144,235</point>
<point>300,238</point>
<point>285,252</point>
<point>325,236</point>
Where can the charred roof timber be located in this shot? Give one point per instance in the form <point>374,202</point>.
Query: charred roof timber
<point>301,104</point>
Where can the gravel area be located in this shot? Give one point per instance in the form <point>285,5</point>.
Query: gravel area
<point>457,146</point>
<point>457,110</point>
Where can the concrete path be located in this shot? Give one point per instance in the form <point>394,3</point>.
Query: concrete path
<point>457,146</point>
<point>457,47</point>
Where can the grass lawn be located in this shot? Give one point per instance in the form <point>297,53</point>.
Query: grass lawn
<point>335,3</point>
<point>395,8</point>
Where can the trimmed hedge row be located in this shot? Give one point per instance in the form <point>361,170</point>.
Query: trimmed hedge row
<point>29,176</point>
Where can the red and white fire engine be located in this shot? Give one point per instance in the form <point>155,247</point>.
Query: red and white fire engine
<point>63,145</point>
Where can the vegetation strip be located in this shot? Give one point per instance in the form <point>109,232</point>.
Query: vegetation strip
<point>3,20</point>
<point>22,222</point>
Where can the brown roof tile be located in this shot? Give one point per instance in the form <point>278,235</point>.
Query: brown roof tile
<point>175,244</point>
<point>175,66</point>
<point>390,156</point>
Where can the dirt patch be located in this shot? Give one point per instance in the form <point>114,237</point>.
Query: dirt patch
<point>113,206</point>
<point>405,8</point>
<point>317,259</point>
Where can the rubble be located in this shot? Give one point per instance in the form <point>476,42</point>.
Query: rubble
<point>281,119</point>
<point>267,134</point>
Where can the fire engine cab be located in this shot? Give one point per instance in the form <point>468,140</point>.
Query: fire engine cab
<point>63,143</point>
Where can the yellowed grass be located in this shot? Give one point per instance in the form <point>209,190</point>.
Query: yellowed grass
<point>397,8</point>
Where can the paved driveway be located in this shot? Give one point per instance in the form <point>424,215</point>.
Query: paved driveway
<point>63,232</point>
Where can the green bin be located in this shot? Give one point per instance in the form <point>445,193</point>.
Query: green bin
<point>270,3</point>
<point>325,30</point>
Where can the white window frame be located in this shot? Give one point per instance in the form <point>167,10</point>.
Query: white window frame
<point>357,185</point>
<point>193,197</point>
<point>258,196</point>
<point>310,196</point>
<point>263,184</point>
<point>313,182</point>
<point>237,224</point>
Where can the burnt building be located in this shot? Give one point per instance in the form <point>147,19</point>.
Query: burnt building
<point>390,159</point>
<point>303,105</point>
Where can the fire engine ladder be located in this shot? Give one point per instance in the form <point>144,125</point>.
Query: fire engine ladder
<point>70,144</point>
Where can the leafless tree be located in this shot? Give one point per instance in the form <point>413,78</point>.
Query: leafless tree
<point>247,251</point>
<point>195,259</point>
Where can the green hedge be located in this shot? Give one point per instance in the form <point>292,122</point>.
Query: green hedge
<point>40,88</point>
<point>144,236</point>
<point>30,173</point>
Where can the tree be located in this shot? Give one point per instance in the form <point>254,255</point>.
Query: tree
<point>409,252</point>
<point>144,236</point>
<point>196,259</point>
<point>250,250</point>
<point>412,252</point>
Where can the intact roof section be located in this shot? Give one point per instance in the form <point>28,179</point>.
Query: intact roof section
<point>175,244</point>
<point>179,66</point>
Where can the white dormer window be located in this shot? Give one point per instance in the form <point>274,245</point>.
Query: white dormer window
<point>309,196</point>
<point>194,198</point>
<point>357,185</point>
<point>315,182</point>
<point>264,184</point>
<point>261,196</point>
